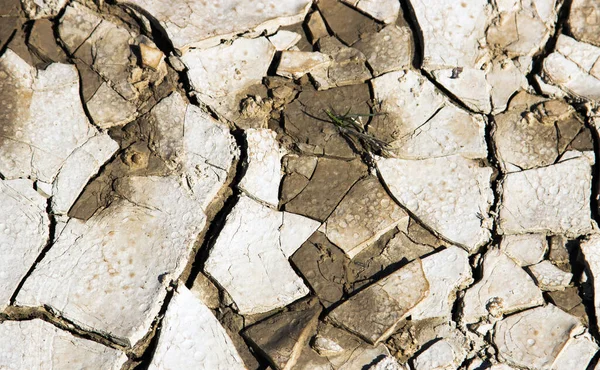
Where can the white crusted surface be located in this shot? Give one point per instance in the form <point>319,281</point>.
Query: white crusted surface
<point>110,273</point>
<point>534,338</point>
<point>295,64</point>
<point>383,10</point>
<point>550,277</point>
<point>424,122</point>
<point>78,168</point>
<point>204,24</point>
<point>459,212</point>
<point>446,271</point>
<point>24,230</point>
<point>36,344</point>
<point>248,261</point>
<point>192,337</point>
<point>443,354</point>
<point>284,40</point>
<point>217,74</point>
<point>43,120</point>
<point>542,200</point>
<point>573,67</point>
<point>590,248</point>
<point>107,108</point>
<point>578,352</point>
<point>263,174</point>
<point>526,249</point>
<point>504,288</point>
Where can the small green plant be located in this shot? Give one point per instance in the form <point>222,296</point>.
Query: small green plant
<point>352,129</point>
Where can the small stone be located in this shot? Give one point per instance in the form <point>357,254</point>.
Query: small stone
<point>248,259</point>
<point>151,56</point>
<point>326,346</point>
<point>192,337</point>
<point>363,215</point>
<point>549,277</point>
<point>540,201</point>
<point>583,21</point>
<point>36,344</point>
<point>283,336</point>
<point>535,338</point>
<point>526,249</point>
<point>375,311</point>
<point>498,294</point>
<point>36,9</point>
<point>460,212</point>
<point>388,363</point>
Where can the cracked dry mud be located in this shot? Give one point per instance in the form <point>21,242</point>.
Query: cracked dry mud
<point>299,184</point>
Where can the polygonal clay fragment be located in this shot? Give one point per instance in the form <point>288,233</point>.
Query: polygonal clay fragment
<point>192,337</point>
<point>550,277</point>
<point>496,294</point>
<point>542,201</point>
<point>590,248</point>
<point>36,344</point>
<point>295,64</point>
<point>365,213</point>
<point>446,272</point>
<point>374,312</point>
<point>43,120</point>
<point>583,21</point>
<point>443,354</point>
<point>383,10</point>
<point>388,50</point>
<point>526,249</point>
<point>347,66</point>
<point>221,74</point>
<point>282,337</point>
<point>24,231</point>
<point>573,68</point>
<point>78,168</point>
<point>418,121</point>
<point>459,211</point>
<point>263,174</point>
<point>329,183</point>
<point>202,25</point>
<point>534,338</point>
<point>249,258</point>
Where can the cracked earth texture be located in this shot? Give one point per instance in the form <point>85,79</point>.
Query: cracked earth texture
<point>299,184</point>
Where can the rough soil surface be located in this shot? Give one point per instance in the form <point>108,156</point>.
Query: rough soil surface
<point>299,184</point>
